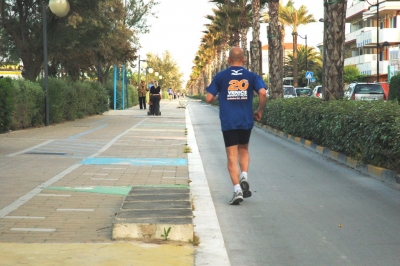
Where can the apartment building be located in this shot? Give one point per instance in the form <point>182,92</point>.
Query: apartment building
<point>287,50</point>
<point>374,38</point>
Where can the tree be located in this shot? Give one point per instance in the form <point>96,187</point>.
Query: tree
<point>167,67</point>
<point>293,18</point>
<point>93,30</point>
<point>275,52</point>
<point>255,44</point>
<point>351,74</point>
<point>333,59</point>
<point>314,62</point>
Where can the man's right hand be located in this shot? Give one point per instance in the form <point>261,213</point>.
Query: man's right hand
<point>257,115</point>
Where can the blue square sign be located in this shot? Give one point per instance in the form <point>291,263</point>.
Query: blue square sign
<point>309,75</point>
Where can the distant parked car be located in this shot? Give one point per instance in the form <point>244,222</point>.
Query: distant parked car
<point>317,92</point>
<point>303,92</point>
<point>365,92</point>
<point>289,91</point>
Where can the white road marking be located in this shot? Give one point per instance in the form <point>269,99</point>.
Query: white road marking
<point>24,217</point>
<point>34,229</point>
<point>75,210</point>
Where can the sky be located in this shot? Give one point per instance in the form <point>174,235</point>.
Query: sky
<point>179,25</point>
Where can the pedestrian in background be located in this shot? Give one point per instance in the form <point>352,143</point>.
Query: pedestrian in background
<point>142,90</point>
<point>170,94</point>
<point>234,87</point>
<point>155,97</point>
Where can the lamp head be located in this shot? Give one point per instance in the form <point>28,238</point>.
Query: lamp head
<point>59,7</point>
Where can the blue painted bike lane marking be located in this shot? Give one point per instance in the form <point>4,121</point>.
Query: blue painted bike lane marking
<point>135,161</point>
<point>87,132</point>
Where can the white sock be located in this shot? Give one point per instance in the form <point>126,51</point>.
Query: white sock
<point>237,188</point>
<point>243,174</point>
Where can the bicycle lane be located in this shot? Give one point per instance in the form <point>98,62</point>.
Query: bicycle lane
<point>75,208</point>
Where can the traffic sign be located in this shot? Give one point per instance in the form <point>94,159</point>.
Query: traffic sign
<point>309,75</point>
<point>312,80</point>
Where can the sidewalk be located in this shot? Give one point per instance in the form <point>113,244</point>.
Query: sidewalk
<point>63,186</point>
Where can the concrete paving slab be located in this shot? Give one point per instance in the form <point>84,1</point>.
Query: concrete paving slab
<point>167,197</point>
<point>153,213</point>
<point>159,205</point>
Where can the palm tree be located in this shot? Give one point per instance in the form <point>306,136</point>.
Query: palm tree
<point>275,52</point>
<point>293,18</point>
<point>333,59</point>
<point>314,61</point>
<point>255,44</point>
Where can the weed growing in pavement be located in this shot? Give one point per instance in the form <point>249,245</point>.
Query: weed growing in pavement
<point>195,241</point>
<point>192,203</point>
<point>166,233</point>
<point>187,149</point>
<point>186,131</point>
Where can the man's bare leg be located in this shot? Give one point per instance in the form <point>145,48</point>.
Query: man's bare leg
<point>233,167</point>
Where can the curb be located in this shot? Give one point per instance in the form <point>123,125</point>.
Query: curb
<point>388,176</point>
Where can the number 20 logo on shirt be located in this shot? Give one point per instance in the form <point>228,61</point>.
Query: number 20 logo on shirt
<point>235,85</point>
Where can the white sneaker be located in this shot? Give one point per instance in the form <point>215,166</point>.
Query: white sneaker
<point>237,198</point>
<point>244,184</point>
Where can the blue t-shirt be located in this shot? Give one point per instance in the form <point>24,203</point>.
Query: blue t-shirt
<point>235,86</point>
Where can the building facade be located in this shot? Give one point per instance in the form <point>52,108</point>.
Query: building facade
<point>287,50</point>
<point>374,38</point>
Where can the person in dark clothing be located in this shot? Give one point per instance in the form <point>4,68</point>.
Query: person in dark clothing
<point>155,97</point>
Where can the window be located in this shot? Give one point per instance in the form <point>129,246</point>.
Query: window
<point>392,22</point>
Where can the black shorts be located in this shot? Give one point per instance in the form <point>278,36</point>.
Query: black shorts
<point>236,136</point>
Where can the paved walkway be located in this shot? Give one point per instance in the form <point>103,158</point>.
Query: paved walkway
<point>62,185</point>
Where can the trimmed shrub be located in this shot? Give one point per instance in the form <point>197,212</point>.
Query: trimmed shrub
<point>6,104</point>
<point>366,131</point>
<point>29,104</point>
<point>394,88</point>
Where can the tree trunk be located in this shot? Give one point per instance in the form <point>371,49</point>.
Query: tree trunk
<point>244,46</point>
<point>333,51</point>
<point>295,64</point>
<point>32,67</point>
<point>275,52</point>
<point>255,44</point>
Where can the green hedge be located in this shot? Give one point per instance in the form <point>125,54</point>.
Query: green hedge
<point>6,104</point>
<point>394,88</point>
<point>366,131</point>
<point>29,104</point>
<point>22,102</point>
<point>72,100</point>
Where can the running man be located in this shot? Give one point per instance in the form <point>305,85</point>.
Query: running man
<point>234,87</point>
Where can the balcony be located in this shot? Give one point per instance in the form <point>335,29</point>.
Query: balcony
<point>367,64</point>
<point>356,11</point>
<point>367,36</point>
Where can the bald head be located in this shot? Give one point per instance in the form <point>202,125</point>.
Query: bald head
<point>236,56</point>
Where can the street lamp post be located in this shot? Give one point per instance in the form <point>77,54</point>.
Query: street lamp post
<point>59,8</point>
<point>144,64</point>
<point>305,38</point>
<point>148,70</point>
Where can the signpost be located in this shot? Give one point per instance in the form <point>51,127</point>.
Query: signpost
<point>309,75</point>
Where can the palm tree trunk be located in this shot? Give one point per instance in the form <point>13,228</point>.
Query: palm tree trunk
<point>295,64</point>
<point>333,53</point>
<point>255,44</point>
<point>275,53</point>
<point>244,47</point>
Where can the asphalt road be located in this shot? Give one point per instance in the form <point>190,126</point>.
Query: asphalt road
<point>305,210</point>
